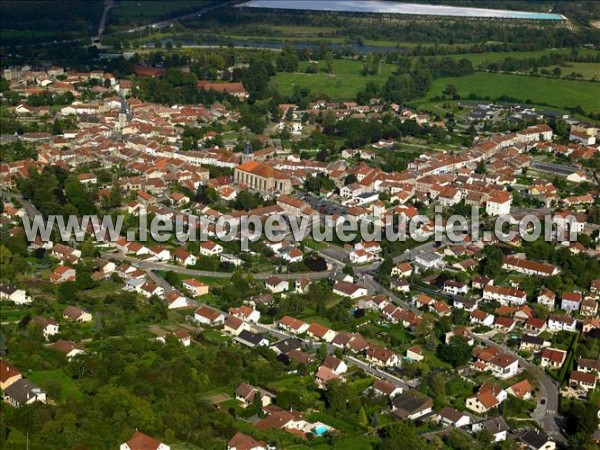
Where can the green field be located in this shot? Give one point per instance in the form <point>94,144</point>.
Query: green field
<point>588,70</point>
<point>56,379</point>
<point>342,84</point>
<point>548,91</point>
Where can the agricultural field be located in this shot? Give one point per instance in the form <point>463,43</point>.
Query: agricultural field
<point>542,91</point>
<point>588,70</point>
<point>477,59</point>
<point>343,84</point>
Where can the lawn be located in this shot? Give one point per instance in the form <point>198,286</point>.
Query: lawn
<point>549,91</point>
<point>343,84</point>
<point>56,379</point>
<point>588,70</point>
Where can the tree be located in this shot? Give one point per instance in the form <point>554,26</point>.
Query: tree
<point>329,61</point>
<point>362,417</point>
<point>491,264</point>
<point>457,352</point>
<point>351,178</point>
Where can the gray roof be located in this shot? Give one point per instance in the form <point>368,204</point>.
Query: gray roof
<point>21,391</point>
<point>534,439</point>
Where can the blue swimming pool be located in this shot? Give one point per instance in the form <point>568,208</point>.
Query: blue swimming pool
<point>320,430</point>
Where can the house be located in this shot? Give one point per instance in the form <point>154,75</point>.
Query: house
<point>559,323</point>
<point>8,374</point>
<point>547,298</point>
<point>504,366</point>
<point>301,285</point>
<point>247,394</point>
<point>160,253</point>
<point>250,339</point>
<point>380,356</point>
<point>453,287</point>
<point>209,316</point>
<point>481,317</point>
<point>245,313</point>
<point>589,307</point>
<point>276,285</point>
<point>504,295</point>
<point>402,270</point>
<point>529,267</point>
<point>62,274</point>
<point>468,304</point>
<point>17,296</point>
<point>585,381</point>
<point>350,290</point>
<point>195,287</point>
<point>209,248</point>
<point>318,331</point>
<point>385,388</point>
<point>534,440</point>
<point>241,441</point>
<point>49,327</point>
<point>400,285</point>
<point>324,375</point>
<point>234,325</point>
<point>522,390</point>
<point>570,301</point>
<point>451,417</point>
<point>293,325</point>
<point>496,426</point>
<point>183,257</point>
<point>535,325</point>
<point>415,353</point>
<point>532,343</point>
<point>23,392</point>
<point>68,348</point>
<point>504,324</point>
<point>586,365</point>
<point>141,441</point>
<point>488,397</point>
<point>429,260</point>
<point>286,346</point>
<point>411,405</point>
<point>553,358</point>
<point>335,364</point>
<point>498,203</point>
<point>76,314</point>
<point>232,260</point>
<point>176,299</point>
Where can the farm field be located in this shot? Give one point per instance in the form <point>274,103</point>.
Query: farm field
<point>342,84</point>
<point>549,91</point>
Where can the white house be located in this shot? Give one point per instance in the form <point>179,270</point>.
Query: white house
<point>11,293</point>
<point>209,248</point>
<point>209,316</point>
<point>559,323</point>
<point>498,203</point>
<point>351,290</point>
<point>277,285</point>
<point>504,366</point>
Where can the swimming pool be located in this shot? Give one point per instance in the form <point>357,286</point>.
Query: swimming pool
<point>397,8</point>
<point>320,430</point>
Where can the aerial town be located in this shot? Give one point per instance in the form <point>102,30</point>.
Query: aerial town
<point>114,336</point>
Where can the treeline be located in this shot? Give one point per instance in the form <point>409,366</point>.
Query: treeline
<point>390,27</point>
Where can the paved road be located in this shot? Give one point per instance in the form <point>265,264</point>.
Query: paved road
<point>546,415</point>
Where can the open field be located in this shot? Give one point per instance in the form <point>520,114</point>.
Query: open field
<point>57,378</point>
<point>342,84</point>
<point>588,70</point>
<point>549,91</point>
